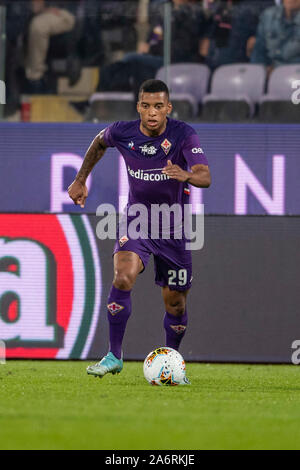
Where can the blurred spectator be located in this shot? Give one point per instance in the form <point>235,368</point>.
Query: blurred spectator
<point>188,28</point>
<point>49,19</point>
<point>142,22</point>
<point>232,31</point>
<point>118,26</point>
<point>278,35</point>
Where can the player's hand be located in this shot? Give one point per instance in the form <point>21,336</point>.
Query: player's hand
<point>174,171</point>
<point>78,192</point>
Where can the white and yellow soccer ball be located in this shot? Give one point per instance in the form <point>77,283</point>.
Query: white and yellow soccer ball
<point>165,366</point>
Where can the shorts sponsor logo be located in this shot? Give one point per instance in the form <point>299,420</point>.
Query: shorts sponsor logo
<point>114,308</point>
<point>123,240</point>
<point>197,150</point>
<point>178,328</point>
<point>166,145</point>
<point>148,150</point>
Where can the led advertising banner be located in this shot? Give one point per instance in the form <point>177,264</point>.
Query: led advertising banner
<point>255,169</point>
<point>55,278</point>
<point>50,285</point>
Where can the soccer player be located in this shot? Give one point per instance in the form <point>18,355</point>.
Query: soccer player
<point>157,151</point>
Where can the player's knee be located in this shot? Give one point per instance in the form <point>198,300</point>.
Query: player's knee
<point>124,280</point>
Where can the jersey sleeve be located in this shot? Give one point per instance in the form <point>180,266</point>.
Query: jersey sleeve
<point>110,134</point>
<point>193,152</point>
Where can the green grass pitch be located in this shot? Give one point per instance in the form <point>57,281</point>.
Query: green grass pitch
<point>55,405</point>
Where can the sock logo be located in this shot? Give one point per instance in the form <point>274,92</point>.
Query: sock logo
<point>114,308</point>
<point>178,328</point>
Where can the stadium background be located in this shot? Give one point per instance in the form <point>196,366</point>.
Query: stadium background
<point>55,274</point>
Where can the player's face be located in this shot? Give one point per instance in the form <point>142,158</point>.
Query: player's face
<point>153,109</point>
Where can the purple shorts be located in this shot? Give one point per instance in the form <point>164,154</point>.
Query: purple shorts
<point>173,263</point>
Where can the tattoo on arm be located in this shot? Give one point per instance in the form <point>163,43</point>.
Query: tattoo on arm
<point>95,151</point>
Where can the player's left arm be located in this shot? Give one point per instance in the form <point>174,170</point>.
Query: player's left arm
<point>196,160</point>
<point>199,175</point>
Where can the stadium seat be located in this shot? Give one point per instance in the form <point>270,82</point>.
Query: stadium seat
<point>277,104</point>
<point>106,106</point>
<point>188,84</point>
<point>184,106</point>
<point>235,91</point>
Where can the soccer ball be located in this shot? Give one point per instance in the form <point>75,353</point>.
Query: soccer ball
<point>165,366</point>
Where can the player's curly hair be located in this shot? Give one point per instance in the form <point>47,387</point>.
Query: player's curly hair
<point>153,86</point>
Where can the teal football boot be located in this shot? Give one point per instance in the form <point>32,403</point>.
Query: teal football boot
<point>185,381</point>
<point>109,364</point>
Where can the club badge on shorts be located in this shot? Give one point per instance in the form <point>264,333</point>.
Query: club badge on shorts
<point>166,145</point>
<point>123,240</point>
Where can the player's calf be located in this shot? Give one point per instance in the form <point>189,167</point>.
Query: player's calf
<point>175,320</point>
<point>175,327</point>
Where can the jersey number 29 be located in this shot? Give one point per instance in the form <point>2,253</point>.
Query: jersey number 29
<point>182,277</point>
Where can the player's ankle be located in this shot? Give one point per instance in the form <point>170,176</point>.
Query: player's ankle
<point>118,354</point>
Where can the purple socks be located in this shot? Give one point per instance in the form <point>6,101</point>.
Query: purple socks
<point>118,312</point>
<point>175,329</point>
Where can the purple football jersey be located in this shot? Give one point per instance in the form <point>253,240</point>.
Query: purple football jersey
<point>145,157</point>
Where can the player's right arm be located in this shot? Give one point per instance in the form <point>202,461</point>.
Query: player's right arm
<point>77,190</point>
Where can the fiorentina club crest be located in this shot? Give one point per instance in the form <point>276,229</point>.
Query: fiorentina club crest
<point>123,240</point>
<point>131,145</point>
<point>114,308</point>
<point>178,328</point>
<point>166,145</point>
